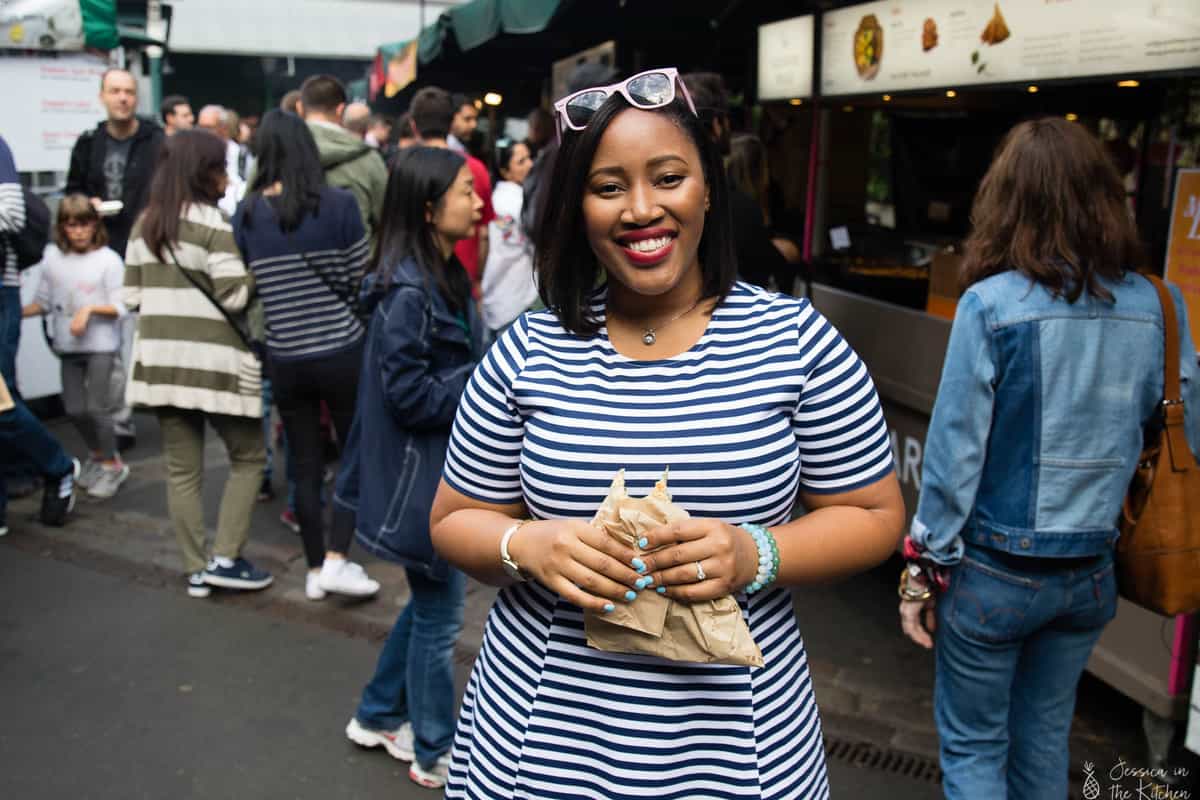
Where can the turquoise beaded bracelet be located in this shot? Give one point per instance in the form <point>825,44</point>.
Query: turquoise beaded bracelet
<point>768,557</point>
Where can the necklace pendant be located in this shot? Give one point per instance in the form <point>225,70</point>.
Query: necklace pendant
<point>648,338</point>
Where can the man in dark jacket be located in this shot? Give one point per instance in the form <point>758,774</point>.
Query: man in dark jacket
<point>115,162</point>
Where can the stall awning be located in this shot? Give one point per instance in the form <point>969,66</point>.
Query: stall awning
<point>59,25</point>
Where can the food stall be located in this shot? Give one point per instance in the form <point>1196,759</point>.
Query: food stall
<point>914,97</point>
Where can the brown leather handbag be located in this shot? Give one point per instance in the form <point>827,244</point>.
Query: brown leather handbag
<point>1158,553</point>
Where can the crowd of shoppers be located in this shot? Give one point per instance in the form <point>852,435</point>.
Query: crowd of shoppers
<point>340,266</point>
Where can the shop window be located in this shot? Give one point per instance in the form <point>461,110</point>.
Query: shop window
<point>880,209</point>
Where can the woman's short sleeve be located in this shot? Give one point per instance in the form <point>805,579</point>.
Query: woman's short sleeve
<point>483,459</point>
<point>838,422</point>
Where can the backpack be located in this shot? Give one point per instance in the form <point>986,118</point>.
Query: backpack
<point>31,240</point>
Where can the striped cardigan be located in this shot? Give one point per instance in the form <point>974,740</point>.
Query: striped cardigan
<point>186,355</point>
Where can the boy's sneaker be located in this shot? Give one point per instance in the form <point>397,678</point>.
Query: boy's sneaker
<point>288,518</point>
<point>196,585</point>
<point>398,743</point>
<point>58,496</point>
<point>236,574</point>
<point>433,778</point>
<point>109,480</point>
<point>312,586</point>
<point>266,492</point>
<point>89,473</point>
<point>345,577</point>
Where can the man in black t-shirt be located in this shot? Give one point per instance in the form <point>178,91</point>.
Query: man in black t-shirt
<point>114,161</point>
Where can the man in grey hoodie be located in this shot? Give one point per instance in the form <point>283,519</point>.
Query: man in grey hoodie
<point>348,161</point>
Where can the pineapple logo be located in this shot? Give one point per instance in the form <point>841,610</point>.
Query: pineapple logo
<point>1091,786</point>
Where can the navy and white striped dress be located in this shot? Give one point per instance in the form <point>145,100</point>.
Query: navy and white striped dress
<point>769,400</point>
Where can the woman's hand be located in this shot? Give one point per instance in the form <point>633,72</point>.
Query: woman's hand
<point>726,554</point>
<point>79,322</point>
<point>910,620</point>
<point>577,560</point>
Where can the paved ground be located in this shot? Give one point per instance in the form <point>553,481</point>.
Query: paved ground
<point>118,690</point>
<point>874,688</point>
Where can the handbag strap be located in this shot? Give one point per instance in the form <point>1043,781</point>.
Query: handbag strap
<point>1172,404</point>
<point>224,313</point>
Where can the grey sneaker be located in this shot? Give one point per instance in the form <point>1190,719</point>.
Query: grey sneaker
<point>109,480</point>
<point>90,472</point>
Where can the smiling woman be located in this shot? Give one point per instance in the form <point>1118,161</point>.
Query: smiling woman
<point>750,398</point>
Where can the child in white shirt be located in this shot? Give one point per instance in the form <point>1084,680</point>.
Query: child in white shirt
<point>80,292</point>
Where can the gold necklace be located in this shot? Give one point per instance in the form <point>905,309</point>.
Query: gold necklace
<point>649,335</point>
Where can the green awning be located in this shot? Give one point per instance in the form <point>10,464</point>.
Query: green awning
<point>477,22</point>
<point>100,23</point>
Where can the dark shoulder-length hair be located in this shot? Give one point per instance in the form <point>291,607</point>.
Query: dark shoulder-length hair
<point>190,167</point>
<point>417,184</point>
<point>285,152</point>
<point>566,266</point>
<point>1052,207</point>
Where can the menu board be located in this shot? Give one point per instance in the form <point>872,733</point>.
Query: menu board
<point>785,59</point>
<point>920,44</point>
<point>48,103</point>
<point>1183,245</point>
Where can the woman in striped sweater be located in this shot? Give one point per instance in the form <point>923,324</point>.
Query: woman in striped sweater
<point>307,247</point>
<point>184,274</point>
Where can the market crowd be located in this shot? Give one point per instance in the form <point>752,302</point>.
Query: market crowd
<point>483,337</point>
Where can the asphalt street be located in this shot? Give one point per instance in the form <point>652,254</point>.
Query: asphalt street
<point>114,689</point>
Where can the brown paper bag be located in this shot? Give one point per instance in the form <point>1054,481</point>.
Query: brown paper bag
<point>6,401</point>
<point>708,632</point>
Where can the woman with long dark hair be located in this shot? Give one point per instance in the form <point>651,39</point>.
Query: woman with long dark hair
<point>1054,368</point>
<point>191,365</point>
<point>749,397</point>
<point>307,247</point>
<point>423,343</point>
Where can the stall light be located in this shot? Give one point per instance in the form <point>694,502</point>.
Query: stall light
<point>796,101</point>
<point>847,109</point>
<point>1031,89</point>
<point>1072,117</point>
<point>478,105</point>
<point>1128,84</point>
<point>951,93</point>
<point>493,99</point>
<point>887,98</point>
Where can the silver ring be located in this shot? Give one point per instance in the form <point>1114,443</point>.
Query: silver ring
<point>700,574</point>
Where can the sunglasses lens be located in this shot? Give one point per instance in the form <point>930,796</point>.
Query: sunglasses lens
<point>651,90</point>
<point>581,108</point>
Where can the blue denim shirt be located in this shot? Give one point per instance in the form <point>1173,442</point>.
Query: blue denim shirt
<point>416,364</point>
<point>1038,421</point>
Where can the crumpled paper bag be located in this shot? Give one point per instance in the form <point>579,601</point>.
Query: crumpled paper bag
<point>707,632</point>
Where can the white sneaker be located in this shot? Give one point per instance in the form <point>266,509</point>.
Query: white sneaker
<point>433,778</point>
<point>108,481</point>
<point>345,577</point>
<point>398,743</point>
<point>89,473</point>
<point>312,586</point>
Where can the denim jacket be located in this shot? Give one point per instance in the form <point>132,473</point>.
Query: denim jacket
<point>416,362</point>
<point>1038,421</point>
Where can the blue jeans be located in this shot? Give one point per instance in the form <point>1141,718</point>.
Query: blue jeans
<point>414,680</point>
<point>10,334</point>
<point>25,442</point>
<point>1011,645</point>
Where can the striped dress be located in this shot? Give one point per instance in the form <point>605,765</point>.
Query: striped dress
<point>185,354</point>
<point>769,401</point>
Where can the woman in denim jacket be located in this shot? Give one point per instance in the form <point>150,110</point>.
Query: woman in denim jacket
<point>422,345</point>
<point>1055,364</point>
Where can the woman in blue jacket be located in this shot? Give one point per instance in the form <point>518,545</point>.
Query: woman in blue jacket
<point>1055,365</point>
<point>422,345</point>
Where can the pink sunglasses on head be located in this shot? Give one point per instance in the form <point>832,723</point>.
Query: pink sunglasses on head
<point>653,88</point>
